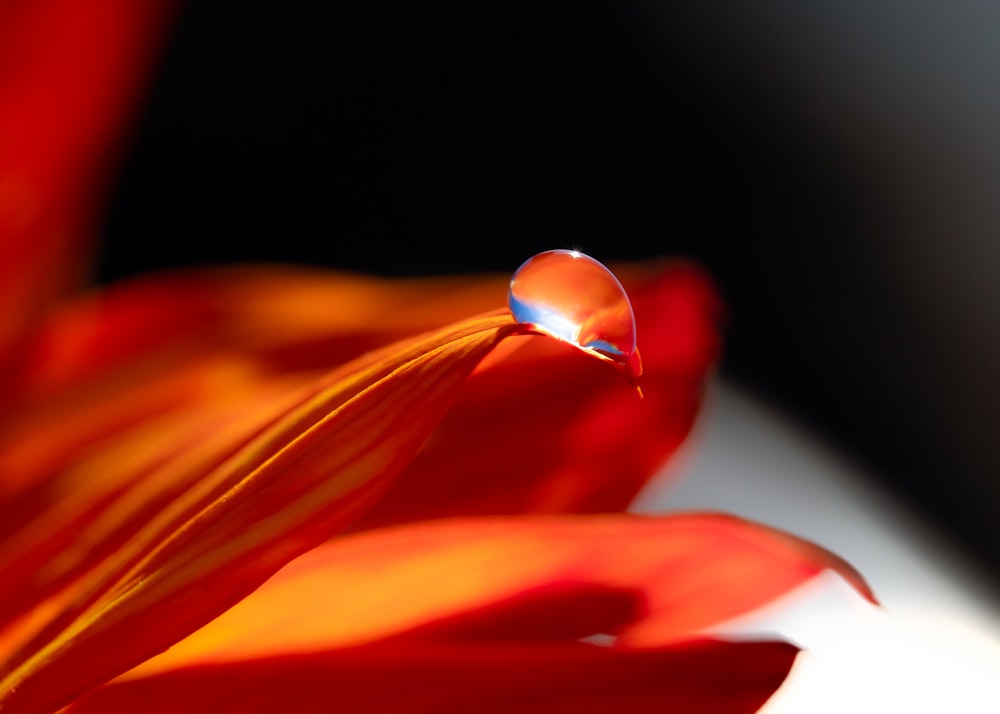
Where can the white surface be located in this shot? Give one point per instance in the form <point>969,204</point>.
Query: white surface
<point>935,645</point>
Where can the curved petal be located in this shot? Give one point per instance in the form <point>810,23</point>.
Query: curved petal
<point>192,363</point>
<point>131,385</point>
<point>197,363</point>
<point>561,433</point>
<point>285,318</point>
<point>647,581</point>
<point>438,678</point>
<point>302,478</point>
<point>191,342</point>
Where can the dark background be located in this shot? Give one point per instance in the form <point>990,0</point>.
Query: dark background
<point>835,166</point>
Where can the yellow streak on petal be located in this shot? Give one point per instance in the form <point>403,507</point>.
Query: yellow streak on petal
<point>289,489</point>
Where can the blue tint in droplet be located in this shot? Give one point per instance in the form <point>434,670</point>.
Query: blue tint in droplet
<point>576,299</point>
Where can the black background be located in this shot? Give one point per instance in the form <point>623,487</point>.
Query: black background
<point>807,158</point>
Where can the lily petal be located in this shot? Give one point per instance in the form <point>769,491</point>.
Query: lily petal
<point>647,581</point>
<point>316,467</point>
<point>433,677</point>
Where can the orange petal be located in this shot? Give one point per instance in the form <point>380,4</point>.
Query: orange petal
<point>167,343</point>
<point>288,318</point>
<point>190,363</point>
<point>195,363</point>
<point>301,479</point>
<point>293,319</point>
<point>70,71</point>
<point>430,678</point>
<point>562,432</point>
<point>100,493</point>
<point>122,379</point>
<point>649,581</point>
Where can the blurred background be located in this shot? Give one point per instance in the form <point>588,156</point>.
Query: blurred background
<point>835,165</point>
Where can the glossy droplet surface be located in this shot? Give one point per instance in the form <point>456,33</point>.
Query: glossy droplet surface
<point>574,298</point>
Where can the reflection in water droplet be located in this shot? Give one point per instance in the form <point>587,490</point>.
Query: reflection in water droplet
<point>574,298</point>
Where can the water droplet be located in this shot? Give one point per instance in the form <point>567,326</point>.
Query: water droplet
<point>574,298</point>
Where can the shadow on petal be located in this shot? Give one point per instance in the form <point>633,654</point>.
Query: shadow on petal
<point>423,677</point>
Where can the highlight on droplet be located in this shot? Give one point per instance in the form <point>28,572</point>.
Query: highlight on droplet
<point>572,297</point>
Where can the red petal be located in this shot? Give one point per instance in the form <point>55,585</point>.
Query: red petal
<point>130,386</point>
<point>290,488</point>
<point>559,432</point>
<point>424,677</point>
<point>483,615</point>
<point>649,581</point>
<point>201,375</point>
<point>288,319</point>
<point>195,340</point>
<point>70,71</point>
<point>191,363</point>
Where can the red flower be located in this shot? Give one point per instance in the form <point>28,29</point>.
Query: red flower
<point>323,491</point>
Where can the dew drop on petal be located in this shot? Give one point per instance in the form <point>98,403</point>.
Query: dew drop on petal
<point>576,299</point>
